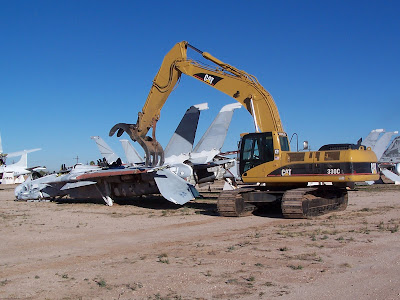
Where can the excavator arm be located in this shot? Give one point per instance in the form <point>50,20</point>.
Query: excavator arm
<point>236,83</point>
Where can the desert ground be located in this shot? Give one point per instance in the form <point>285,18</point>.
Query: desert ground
<point>151,249</point>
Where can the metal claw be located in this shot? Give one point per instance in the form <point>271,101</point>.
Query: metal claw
<point>152,148</point>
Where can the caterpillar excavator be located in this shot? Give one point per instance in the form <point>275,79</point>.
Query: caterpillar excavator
<point>273,172</point>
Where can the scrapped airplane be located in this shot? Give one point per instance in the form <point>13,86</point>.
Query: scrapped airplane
<point>170,180</point>
<point>121,182</point>
<point>14,173</point>
<point>84,181</point>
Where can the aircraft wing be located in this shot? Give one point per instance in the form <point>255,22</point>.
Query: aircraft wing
<point>173,188</point>
<point>74,185</point>
<point>36,169</point>
<point>111,172</point>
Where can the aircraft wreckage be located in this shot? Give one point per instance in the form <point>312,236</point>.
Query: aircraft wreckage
<point>175,179</point>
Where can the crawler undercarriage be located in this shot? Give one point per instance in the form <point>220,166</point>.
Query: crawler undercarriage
<point>295,203</point>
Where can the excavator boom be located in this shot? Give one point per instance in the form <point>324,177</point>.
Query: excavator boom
<point>236,83</point>
<point>241,86</point>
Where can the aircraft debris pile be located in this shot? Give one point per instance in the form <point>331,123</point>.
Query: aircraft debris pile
<point>175,180</point>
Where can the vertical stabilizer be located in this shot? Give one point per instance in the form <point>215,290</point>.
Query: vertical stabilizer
<point>105,150</point>
<point>23,161</point>
<point>131,154</point>
<point>214,137</point>
<point>372,137</point>
<point>183,138</point>
<point>382,143</point>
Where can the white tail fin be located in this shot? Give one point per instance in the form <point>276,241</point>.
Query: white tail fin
<point>372,137</point>
<point>105,150</point>
<point>23,161</point>
<point>214,138</point>
<point>131,154</point>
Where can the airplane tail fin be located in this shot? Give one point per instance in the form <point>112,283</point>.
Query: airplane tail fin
<point>372,137</point>
<point>183,138</point>
<point>23,161</point>
<point>382,143</point>
<point>131,154</point>
<point>214,137</point>
<point>105,150</point>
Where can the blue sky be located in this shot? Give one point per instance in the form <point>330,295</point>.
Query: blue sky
<point>72,69</point>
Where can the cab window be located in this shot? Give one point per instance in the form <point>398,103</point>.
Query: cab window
<point>256,149</point>
<point>284,143</point>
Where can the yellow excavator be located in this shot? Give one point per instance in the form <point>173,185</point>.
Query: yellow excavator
<point>274,174</point>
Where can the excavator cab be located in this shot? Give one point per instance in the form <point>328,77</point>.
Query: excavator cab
<point>255,149</point>
<point>259,148</point>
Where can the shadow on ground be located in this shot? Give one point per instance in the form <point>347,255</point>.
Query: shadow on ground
<point>156,203</point>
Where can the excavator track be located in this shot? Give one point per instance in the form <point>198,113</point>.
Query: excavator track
<point>309,202</point>
<point>231,203</point>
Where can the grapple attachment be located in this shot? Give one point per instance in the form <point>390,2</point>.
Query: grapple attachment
<point>152,148</point>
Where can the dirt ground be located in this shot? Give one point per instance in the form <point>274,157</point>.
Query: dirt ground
<point>151,249</point>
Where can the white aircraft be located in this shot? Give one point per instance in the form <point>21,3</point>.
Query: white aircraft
<point>14,173</point>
